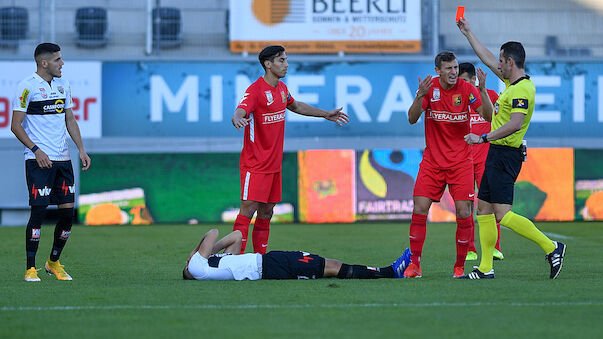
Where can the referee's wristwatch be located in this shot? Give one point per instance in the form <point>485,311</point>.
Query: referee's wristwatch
<point>485,138</point>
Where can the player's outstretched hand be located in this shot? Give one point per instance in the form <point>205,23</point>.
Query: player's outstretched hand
<point>239,122</point>
<point>424,85</point>
<point>481,78</point>
<point>472,139</point>
<point>85,160</point>
<point>463,26</point>
<point>42,159</point>
<point>338,116</point>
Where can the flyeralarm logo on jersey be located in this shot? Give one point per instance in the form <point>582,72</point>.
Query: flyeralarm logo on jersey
<point>84,80</point>
<point>326,26</point>
<point>447,117</point>
<point>271,118</point>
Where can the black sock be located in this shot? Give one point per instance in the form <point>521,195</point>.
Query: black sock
<point>364,272</point>
<point>61,232</point>
<point>32,233</point>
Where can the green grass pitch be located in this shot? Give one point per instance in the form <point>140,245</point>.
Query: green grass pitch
<point>127,283</point>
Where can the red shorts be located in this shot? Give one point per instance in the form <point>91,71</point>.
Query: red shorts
<point>478,170</point>
<point>431,182</point>
<point>261,187</point>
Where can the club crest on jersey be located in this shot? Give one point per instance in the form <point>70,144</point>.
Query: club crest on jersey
<point>496,108</point>
<point>436,94</point>
<point>61,89</point>
<point>456,100</point>
<point>283,96</point>
<point>269,97</point>
<point>23,98</point>
<point>472,98</point>
<point>520,103</point>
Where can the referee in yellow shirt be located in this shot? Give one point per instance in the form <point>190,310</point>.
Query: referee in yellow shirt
<point>510,121</point>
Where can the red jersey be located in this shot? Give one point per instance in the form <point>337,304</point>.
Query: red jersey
<point>263,145</point>
<point>447,122</point>
<point>480,126</point>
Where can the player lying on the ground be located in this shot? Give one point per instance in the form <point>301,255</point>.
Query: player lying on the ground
<point>204,263</point>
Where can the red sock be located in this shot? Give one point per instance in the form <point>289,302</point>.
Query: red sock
<point>242,224</point>
<point>463,236</point>
<point>261,231</point>
<point>416,235</point>
<point>497,246</point>
<point>472,237</point>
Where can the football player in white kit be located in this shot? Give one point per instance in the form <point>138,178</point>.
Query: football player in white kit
<point>42,116</point>
<point>206,263</point>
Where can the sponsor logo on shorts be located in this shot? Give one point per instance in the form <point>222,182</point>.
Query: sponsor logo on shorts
<point>35,234</point>
<point>43,192</point>
<point>65,235</point>
<point>67,188</point>
<point>306,258</point>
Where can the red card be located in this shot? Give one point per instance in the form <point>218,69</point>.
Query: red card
<point>460,11</point>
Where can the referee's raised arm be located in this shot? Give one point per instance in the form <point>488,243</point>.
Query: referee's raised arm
<point>480,50</point>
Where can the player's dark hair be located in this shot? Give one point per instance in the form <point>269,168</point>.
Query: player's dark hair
<point>269,53</point>
<point>467,67</point>
<point>515,51</point>
<point>46,48</point>
<point>444,56</point>
<point>186,276</point>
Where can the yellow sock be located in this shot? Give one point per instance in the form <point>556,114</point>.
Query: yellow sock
<point>487,238</point>
<point>524,227</point>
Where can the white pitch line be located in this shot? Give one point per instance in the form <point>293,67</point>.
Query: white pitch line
<point>299,306</point>
<point>557,236</point>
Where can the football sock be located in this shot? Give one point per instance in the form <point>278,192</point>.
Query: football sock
<point>261,231</point>
<point>32,233</point>
<point>242,224</point>
<point>487,238</point>
<point>61,232</point>
<point>463,236</point>
<point>524,227</point>
<point>364,272</point>
<point>497,246</point>
<point>471,237</point>
<point>416,236</point>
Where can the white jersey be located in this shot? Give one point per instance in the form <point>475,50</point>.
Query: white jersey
<point>45,105</point>
<point>230,267</point>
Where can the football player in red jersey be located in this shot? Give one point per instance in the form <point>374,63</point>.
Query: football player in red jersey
<point>261,113</point>
<point>446,101</point>
<point>479,152</point>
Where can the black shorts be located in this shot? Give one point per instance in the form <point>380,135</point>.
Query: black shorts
<point>503,165</point>
<point>292,265</point>
<point>50,186</point>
